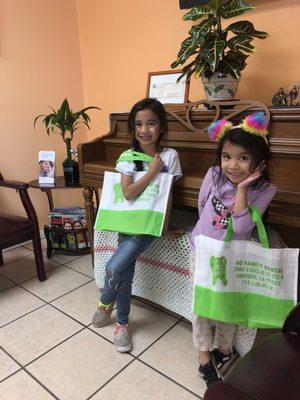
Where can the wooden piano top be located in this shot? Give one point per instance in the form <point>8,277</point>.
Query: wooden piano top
<point>187,134</point>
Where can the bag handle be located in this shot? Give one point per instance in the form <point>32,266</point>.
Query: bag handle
<point>256,218</point>
<point>131,155</point>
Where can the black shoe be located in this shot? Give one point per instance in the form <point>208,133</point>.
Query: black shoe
<point>219,358</point>
<point>209,373</point>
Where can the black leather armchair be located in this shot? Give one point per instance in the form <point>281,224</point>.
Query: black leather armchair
<point>16,229</point>
<point>270,371</point>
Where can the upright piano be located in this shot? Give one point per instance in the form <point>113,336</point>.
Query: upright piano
<point>187,134</point>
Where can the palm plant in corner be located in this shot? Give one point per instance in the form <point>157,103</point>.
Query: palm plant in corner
<point>66,122</point>
<point>218,54</point>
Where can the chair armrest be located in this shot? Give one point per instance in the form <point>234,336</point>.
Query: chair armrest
<point>292,321</point>
<point>18,185</point>
<point>22,187</point>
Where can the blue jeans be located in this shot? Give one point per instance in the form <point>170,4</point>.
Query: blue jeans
<point>120,271</point>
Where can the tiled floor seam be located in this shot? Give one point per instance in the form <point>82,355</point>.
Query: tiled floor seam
<point>56,298</point>
<point>165,311</point>
<point>32,377</point>
<point>28,279</point>
<point>171,379</point>
<point>18,258</point>
<point>67,315</point>
<point>157,339</point>
<point>16,361</point>
<point>46,303</point>
<point>54,347</point>
<point>65,263</point>
<point>23,368</point>
<point>88,327</point>
<point>110,379</point>
<point>24,315</point>
<point>79,272</point>
<point>41,384</point>
<point>70,291</point>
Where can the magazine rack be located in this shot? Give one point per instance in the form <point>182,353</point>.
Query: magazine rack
<point>66,242</point>
<point>62,243</point>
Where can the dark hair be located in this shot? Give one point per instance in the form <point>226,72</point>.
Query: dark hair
<point>51,163</point>
<point>255,145</point>
<point>158,109</point>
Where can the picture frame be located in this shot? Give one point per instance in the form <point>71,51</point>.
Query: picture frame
<point>163,86</point>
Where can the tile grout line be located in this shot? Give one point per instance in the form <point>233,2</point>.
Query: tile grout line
<point>43,305</point>
<point>180,319</point>
<point>57,345</point>
<point>88,328</point>
<point>31,277</point>
<point>79,272</point>
<point>136,357</point>
<point>21,316</point>
<point>110,379</point>
<point>59,264</point>
<point>40,383</point>
<point>157,339</point>
<point>16,361</point>
<point>150,303</point>
<point>171,379</point>
<point>22,368</point>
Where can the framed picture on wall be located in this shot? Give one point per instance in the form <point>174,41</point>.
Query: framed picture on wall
<point>163,86</point>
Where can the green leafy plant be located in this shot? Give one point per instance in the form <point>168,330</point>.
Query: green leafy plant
<point>66,122</point>
<point>216,49</point>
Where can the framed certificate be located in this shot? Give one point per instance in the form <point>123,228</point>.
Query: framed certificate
<point>164,87</point>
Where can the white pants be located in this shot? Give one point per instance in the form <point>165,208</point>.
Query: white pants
<point>203,337</point>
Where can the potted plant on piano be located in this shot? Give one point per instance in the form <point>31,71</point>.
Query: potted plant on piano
<point>66,122</point>
<point>218,54</point>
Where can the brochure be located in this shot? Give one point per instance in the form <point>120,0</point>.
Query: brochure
<point>46,167</point>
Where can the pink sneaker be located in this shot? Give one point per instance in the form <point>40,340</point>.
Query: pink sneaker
<point>122,339</point>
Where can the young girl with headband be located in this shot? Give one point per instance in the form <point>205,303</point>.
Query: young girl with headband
<point>238,179</point>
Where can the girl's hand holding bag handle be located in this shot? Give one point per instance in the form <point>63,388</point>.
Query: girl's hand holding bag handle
<point>243,282</point>
<point>143,215</point>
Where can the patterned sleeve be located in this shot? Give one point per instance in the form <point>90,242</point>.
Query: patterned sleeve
<point>242,221</point>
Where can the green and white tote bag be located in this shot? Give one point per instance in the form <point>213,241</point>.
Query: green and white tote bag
<point>143,215</point>
<point>243,282</point>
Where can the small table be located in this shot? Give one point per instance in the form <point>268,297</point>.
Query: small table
<point>58,184</point>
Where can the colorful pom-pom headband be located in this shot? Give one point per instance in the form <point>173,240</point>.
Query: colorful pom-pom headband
<point>255,124</point>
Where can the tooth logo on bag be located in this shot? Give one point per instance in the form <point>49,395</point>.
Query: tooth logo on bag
<point>218,268</point>
<point>118,193</point>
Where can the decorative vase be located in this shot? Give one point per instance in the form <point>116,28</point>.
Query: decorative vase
<point>70,167</point>
<point>220,87</point>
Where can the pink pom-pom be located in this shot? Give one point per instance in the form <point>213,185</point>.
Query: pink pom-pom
<point>217,129</point>
<point>256,124</point>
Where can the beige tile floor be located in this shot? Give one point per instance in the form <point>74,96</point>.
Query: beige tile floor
<point>50,350</point>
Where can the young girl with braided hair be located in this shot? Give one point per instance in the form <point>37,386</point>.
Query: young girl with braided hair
<point>238,179</point>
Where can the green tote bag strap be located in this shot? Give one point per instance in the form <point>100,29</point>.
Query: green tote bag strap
<point>130,155</point>
<point>256,218</point>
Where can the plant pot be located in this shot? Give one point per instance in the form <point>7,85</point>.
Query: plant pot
<point>71,172</point>
<point>220,87</point>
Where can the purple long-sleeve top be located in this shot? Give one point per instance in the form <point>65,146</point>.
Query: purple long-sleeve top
<point>215,204</point>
